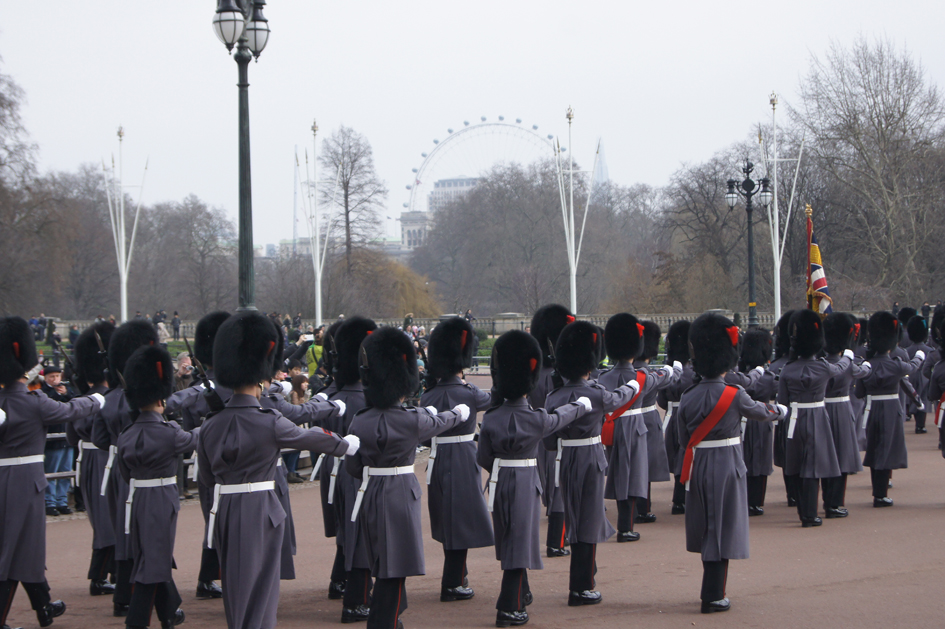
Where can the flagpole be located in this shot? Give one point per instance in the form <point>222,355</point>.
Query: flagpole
<point>810,297</point>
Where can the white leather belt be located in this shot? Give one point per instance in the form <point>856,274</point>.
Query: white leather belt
<point>938,414</point>
<point>869,404</point>
<point>796,406</point>
<point>366,475</point>
<point>137,484</point>
<point>669,413</point>
<point>640,411</point>
<point>500,463</point>
<point>194,468</point>
<point>22,460</point>
<point>316,467</point>
<point>719,443</point>
<point>837,400</point>
<point>279,462</point>
<point>332,479</point>
<point>226,490</point>
<point>744,427</point>
<point>437,441</point>
<point>83,446</point>
<point>570,443</point>
<point>112,451</point>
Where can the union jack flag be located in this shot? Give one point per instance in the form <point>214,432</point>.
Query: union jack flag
<point>818,295</point>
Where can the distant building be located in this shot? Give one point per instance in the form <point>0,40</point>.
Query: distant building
<point>413,228</point>
<point>270,251</point>
<point>415,225</point>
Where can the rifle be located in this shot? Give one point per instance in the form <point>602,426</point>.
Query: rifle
<point>73,372</point>
<point>213,398</point>
<point>104,354</point>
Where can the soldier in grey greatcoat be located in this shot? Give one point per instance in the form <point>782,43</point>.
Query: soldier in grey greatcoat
<point>716,496</point>
<point>115,416</point>
<point>928,368</point>
<point>459,519</point>
<point>918,330</point>
<point>581,464</point>
<point>546,326</point>
<point>92,367</point>
<point>237,455</point>
<point>782,353</point>
<point>859,403</point>
<point>509,441</point>
<point>677,350</point>
<point>24,418</point>
<point>387,508</point>
<point>147,461</point>
<point>884,414</point>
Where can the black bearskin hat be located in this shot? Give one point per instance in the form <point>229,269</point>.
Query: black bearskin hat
<point>149,376</point>
<point>388,367</point>
<point>782,335</point>
<point>756,349</point>
<point>839,332</point>
<point>807,333</point>
<point>17,349</point>
<point>450,349</point>
<point>935,328</point>
<point>204,335</point>
<point>576,353</point>
<point>884,332</point>
<point>128,337</point>
<point>714,345</point>
<point>547,324</point>
<point>623,337</point>
<point>244,348</point>
<point>863,334</point>
<point>91,365</point>
<point>516,364</point>
<point>348,339</point>
<point>329,355</point>
<point>651,339</point>
<point>918,329</point>
<point>677,343</point>
<point>905,315</point>
<point>278,354</point>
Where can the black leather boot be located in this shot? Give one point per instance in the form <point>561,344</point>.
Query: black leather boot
<point>51,610</point>
<point>511,619</point>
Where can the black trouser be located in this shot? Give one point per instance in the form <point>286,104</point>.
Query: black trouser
<point>209,565</point>
<point>38,594</point>
<point>123,588</point>
<point>102,564</point>
<point>919,419</point>
<point>679,492</point>
<point>338,567</point>
<point>176,334</point>
<point>583,566</point>
<point>357,588</point>
<point>790,486</point>
<point>390,601</point>
<point>556,529</point>
<point>454,568</point>
<point>625,515</point>
<point>714,576</point>
<point>514,589</point>
<point>807,489</point>
<point>163,598</point>
<point>757,488</point>
<point>645,505</point>
<point>880,480</point>
<point>835,490</point>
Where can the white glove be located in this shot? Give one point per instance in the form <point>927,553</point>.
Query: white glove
<point>848,353</point>
<point>322,395</point>
<point>633,384</point>
<point>463,411</point>
<point>666,369</point>
<point>353,444</point>
<point>212,386</point>
<point>585,402</point>
<point>677,366</point>
<point>784,410</point>
<point>286,387</point>
<point>98,397</point>
<point>3,417</point>
<point>432,410</point>
<point>918,354</point>
<point>341,406</point>
<point>760,370</point>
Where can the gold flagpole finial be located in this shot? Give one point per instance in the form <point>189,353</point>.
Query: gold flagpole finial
<point>808,210</point>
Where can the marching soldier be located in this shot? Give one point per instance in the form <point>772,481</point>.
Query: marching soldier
<point>782,353</point>
<point>237,455</point>
<point>459,519</point>
<point>757,437</point>
<point>509,441</point>
<point>677,350</point>
<point>918,330</point>
<point>24,419</point>
<point>147,461</point>
<point>709,423</point>
<point>389,496</point>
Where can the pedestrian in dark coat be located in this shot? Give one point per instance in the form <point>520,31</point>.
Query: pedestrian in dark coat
<point>115,417</point>
<point>459,519</point>
<point>237,455</point>
<point>546,326</point>
<point>147,461</point>
<point>918,330</point>
<point>24,420</point>
<point>710,424</point>
<point>387,509</point>
<point>509,441</point>
<point>884,414</point>
<point>677,350</point>
<point>92,366</point>
<point>581,464</point>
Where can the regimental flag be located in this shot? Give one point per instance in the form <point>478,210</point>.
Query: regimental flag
<point>818,295</point>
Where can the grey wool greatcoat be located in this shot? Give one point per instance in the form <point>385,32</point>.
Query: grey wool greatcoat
<point>780,428</point>
<point>317,412</point>
<point>757,437</point>
<point>513,430</point>
<point>91,471</point>
<point>583,468</point>
<point>936,389</point>
<point>656,380</point>
<point>241,444</point>
<point>885,436</point>
<point>114,417</point>
<point>717,497</point>
<point>842,421</point>
<point>148,449</point>
<point>388,524</point>
<point>23,487</point>
<point>459,518</point>
<point>671,395</point>
<point>919,381</point>
<point>550,496</point>
<point>811,452</point>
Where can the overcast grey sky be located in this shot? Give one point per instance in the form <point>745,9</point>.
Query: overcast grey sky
<point>662,83</point>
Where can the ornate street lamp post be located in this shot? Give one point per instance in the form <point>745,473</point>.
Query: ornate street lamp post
<point>749,189</point>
